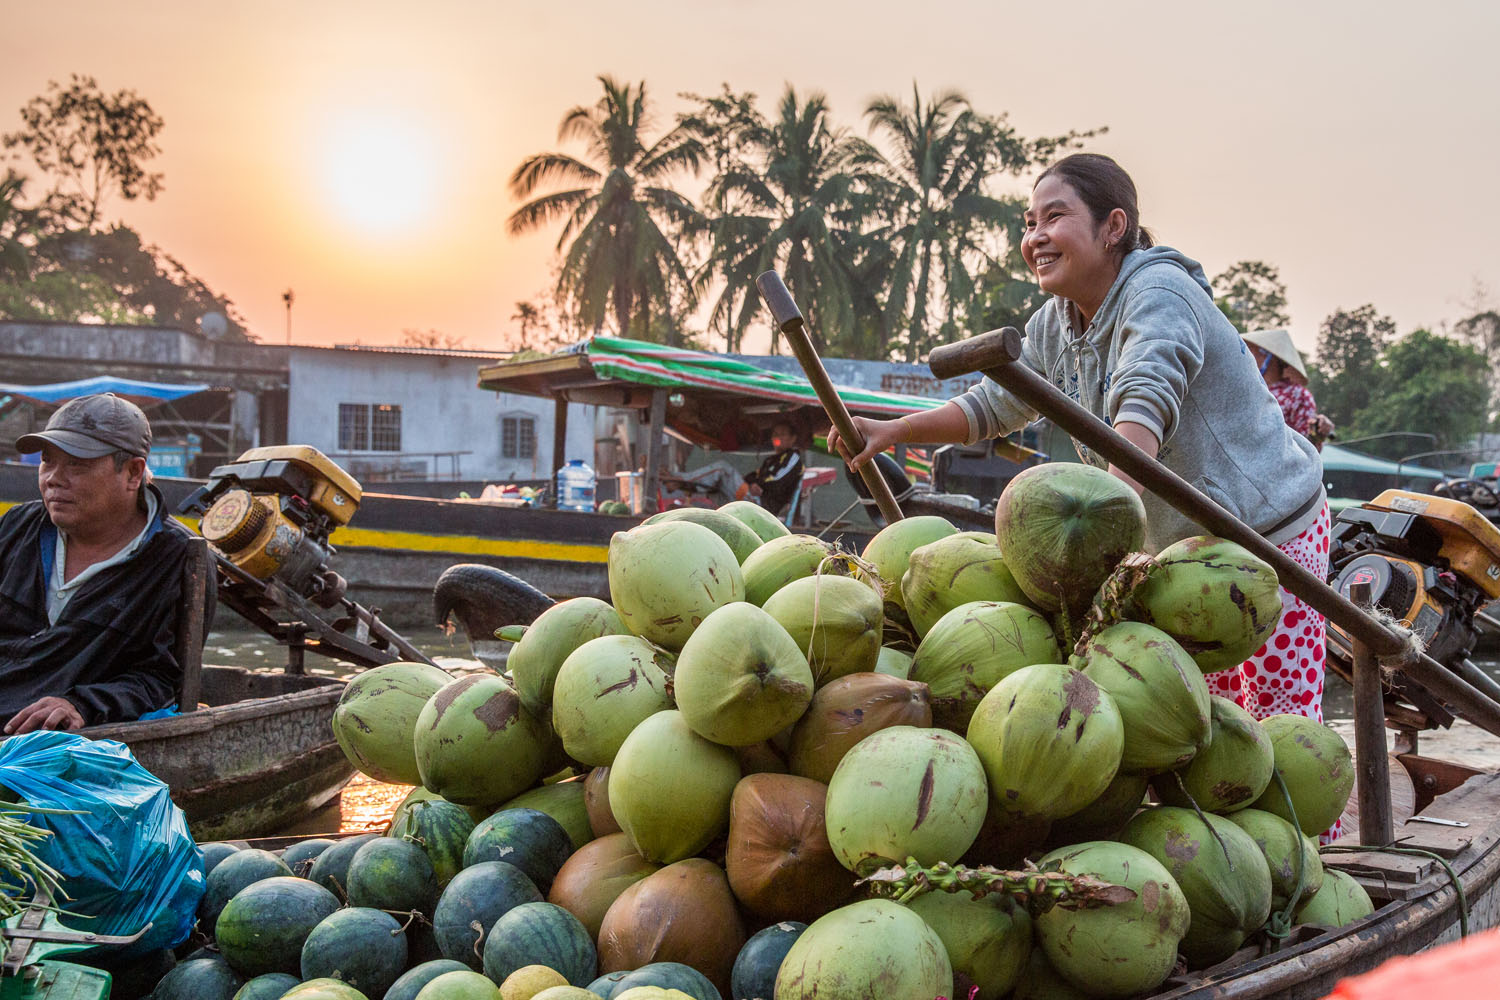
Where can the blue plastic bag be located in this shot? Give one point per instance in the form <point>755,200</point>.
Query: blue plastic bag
<point>128,858</point>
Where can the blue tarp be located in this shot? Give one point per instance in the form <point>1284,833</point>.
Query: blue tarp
<point>61,392</point>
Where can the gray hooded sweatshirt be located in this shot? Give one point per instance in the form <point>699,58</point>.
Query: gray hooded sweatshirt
<point>1159,353</point>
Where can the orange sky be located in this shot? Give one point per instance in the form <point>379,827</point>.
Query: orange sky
<point>358,152</point>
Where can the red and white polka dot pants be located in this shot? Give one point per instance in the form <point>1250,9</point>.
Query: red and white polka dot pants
<point>1285,676</point>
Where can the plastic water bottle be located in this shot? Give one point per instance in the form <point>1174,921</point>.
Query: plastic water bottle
<point>575,486</point>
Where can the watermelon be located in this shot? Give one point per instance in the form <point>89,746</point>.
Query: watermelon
<point>412,981</point>
<point>271,986</point>
<point>441,829</point>
<point>262,928</point>
<point>232,874</point>
<point>527,838</point>
<point>331,868</point>
<point>359,946</point>
<point>213,854</point>
<point>300,856</point>
<point>755,968</point>
<point>324,989</point>
<point>391,874</point>
<point>605,984</point>
<point>481,894</point>
<point>199,979</point>
<point>669,976</point>
<point>564,802</point>
<point>460,986</point>
<point>540,934</point>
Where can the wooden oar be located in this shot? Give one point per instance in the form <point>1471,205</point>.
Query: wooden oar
<point>789,319</point>
<point>996,355</point>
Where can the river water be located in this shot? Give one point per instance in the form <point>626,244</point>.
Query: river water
<point>368,804</point>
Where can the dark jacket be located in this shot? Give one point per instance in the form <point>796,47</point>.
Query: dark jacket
<point>779,477</point>
<point>111,651</point>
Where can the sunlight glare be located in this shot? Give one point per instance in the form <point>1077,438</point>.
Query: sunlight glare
<point>379,172</point>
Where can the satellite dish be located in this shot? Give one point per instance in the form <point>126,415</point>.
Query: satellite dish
<point>214,325</point>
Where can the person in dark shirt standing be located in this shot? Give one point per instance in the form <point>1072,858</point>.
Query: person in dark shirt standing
<point>90,577</point>
<point>779,477</point>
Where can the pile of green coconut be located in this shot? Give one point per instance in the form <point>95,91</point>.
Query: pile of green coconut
<point>806,772</point>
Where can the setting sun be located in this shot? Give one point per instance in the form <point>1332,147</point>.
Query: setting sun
<point>379,173</point>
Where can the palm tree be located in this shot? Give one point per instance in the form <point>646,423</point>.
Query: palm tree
<point>622,225</point>
<point>943,222</point>
<point>792,202</point>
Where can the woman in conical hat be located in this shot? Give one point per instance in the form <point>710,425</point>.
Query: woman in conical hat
<point>1285,375</point>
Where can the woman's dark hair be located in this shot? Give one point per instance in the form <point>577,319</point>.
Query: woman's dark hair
<point>1103,185</point>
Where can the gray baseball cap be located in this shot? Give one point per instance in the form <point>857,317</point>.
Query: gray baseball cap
<point>93,426</point>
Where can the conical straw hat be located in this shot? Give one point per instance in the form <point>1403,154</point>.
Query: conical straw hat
<point>1278,343</point>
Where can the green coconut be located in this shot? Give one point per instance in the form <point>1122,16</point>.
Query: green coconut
<point>477,745</point>
<point>873,948</point>
<point>604,689</point>
<point>1063,527</point>
<point>756,518</point>
<point>741,678</point>
<point>894,662</point>
<point>1340,901</point>
<point>836,621</point>
<point>377,713</point>
<point>1231,772</point>
<point>534,661</point>
<point>1285,849</point>
<point>1122,949</point>
<point>891,549</point>
<point>780,561</point>
<point>1317,767</point>
<point>955,570</point>
<point>972,648</point>
<point>1220,870</point>
<point>1104,817</point>
<point>905,792</point>
<point>1050,740</point>
<point>1216,599</point>
<point>1040,981</point>
<point>669,788</point>
<point>988,939</point>
<point>666,578</point>
<point>1161,694</point>
<point>846,711</point>
<point>740,537</point>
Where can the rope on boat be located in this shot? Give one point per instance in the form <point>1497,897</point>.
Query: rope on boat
<point>1417,852</point>
<point>1279,925</point>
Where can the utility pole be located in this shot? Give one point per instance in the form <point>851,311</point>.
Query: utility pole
<point>287,297</point>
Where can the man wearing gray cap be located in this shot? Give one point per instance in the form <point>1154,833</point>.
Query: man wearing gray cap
<point>90,577</point>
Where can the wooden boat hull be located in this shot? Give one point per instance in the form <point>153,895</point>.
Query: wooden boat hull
<point>260,757</point>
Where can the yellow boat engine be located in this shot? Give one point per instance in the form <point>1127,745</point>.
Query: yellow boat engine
<point>268,517</point>
<point>1431,562</point>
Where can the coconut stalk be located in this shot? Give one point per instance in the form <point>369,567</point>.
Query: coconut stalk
<point>1037,889</point>
<point>22,873</point>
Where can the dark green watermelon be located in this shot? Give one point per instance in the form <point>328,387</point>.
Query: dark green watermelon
<point>331,868</point>
<point>270,986</point>
<point>304,852</point>
<point>442,829</point>
<point>670,976</point>
<point>391,874</point>
<point>605,984</point>
<point>359,946</point>
<point>481,894</point>
<point>262,928</point>
<point>412,981</point>
<point>232,874</point>
<point>199,979</point>
<point>540,934</point>
<point>527,838</point>
<point>213,854</point>
<point>755,968</point>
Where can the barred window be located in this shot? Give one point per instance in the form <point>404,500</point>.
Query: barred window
<point>369,427</point>
<point>517,437</point>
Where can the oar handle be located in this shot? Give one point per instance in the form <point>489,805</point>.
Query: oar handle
<point>774,293</point>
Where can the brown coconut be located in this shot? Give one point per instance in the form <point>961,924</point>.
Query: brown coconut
<point>778,859</point>
<point>684,913</point>
<point>595,876</point>
<point>761,758</point>
<point>596,802</point>
<point>846,710</point>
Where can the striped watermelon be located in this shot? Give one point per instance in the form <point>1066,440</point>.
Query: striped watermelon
<point>359,946</point>
<point>480,894</point>
<point>441,829</point>
<point>391,874</point>
<point>527,838</point>
<point>540,934</point>
<point>263,927</point>
<point>199,979</point>
<point>232,874</point>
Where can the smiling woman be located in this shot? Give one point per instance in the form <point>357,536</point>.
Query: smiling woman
<point>379,172</point>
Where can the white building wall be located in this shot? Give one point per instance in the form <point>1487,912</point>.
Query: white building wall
<point>442,410</point>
